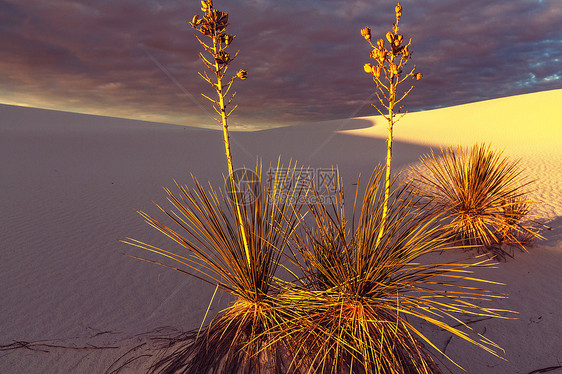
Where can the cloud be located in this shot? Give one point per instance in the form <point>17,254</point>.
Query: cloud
<point>138,58</point>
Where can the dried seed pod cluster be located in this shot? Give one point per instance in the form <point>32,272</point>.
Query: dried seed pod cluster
<point>243,74</point>
<point>395,56</point>
<point>391,56</point>
<point>213,25</point>
<point>366,32</point>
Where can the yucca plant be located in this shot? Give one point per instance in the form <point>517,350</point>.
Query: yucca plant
<point>389,74</point>
<point>480,195</point>
<point>351,311</point>
<point>213,26</point>
<point>227,240</point>
<point>211,247</point>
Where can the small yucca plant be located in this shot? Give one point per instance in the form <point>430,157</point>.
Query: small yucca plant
<point>351,310</point>
<point>480,196</point>
<point>211,247</point>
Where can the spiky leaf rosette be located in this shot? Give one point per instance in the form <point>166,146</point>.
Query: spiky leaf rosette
<point>480,195</point>
<point>352,309</point>
<point>203,224</point>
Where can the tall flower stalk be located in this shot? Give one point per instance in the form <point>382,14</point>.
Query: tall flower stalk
<point>388,74</point>
<point>213,25</point>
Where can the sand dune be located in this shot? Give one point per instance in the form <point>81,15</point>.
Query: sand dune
<point>71,185</point>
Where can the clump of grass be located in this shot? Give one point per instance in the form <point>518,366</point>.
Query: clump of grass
<point>480,196</point>
<point>351,310</point>
<point>211,247</point>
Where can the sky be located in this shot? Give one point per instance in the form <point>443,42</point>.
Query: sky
<point>139,58</point>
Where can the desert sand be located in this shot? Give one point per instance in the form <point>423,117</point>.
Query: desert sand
<point>71,301</point>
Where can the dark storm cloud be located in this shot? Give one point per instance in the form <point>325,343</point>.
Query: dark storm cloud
<point>138,59</point>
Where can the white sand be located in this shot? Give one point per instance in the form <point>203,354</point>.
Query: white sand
<point>71,184</point>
